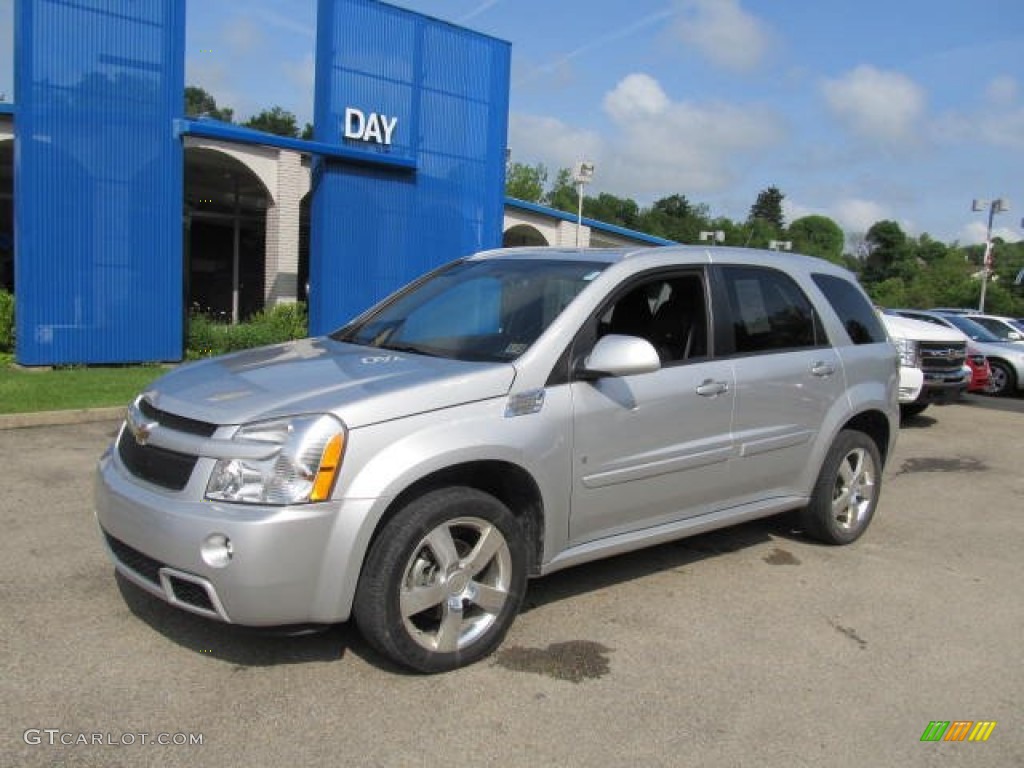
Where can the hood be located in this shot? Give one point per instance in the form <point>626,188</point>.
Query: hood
<point>362,385</point>
<point>918,330</point>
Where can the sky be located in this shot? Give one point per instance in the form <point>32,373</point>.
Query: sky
<point>904,109</point>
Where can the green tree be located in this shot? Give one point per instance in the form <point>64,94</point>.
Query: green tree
<point>817,236</point>
<point>562,195</point>
<point>275,120</point>
<point>768,207</point>
<point>198,102</point>
<point>675,218</point>
<point>887,247</point>
<point>526,182</point>
<point>610,209</point>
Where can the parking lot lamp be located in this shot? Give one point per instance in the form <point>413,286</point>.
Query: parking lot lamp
<point>999,205</point>
<point>583,174</point>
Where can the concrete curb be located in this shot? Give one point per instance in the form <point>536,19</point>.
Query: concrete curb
<point>59,418</point>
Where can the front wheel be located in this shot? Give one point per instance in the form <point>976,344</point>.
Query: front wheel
<point>846,493</point>
<point>443,580</point>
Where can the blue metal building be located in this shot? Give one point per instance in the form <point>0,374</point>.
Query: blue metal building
<point>408,172</point>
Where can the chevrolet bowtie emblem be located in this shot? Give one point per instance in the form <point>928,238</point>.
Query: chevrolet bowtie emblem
<point>140,427</point>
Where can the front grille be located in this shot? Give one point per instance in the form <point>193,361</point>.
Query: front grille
<point>940,357</point>
<point>144,565</point>
<point>160,466</point>
<point>173,421</point>
<point>191,594</point>
<point>168,469</point>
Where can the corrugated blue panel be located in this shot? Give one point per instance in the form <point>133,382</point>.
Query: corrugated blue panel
<point>98,180</point>
<point>374,229</point>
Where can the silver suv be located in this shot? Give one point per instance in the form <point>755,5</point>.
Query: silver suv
<point>506,416</point>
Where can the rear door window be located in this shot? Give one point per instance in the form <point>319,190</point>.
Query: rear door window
<point>769,311</point>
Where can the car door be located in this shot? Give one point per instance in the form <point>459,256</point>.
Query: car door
<point>787,378</point>
<point>652,448</point>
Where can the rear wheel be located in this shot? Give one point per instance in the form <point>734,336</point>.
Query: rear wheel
<point>1003,380</point>
<point>443,581</point>
<point>846,493</point>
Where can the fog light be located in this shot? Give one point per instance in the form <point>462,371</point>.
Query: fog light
<point>216,550</point>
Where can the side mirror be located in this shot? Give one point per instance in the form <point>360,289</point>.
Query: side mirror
<point>615,355</point>
<point>1014,336</point>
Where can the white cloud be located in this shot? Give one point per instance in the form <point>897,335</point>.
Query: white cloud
<point>857,215</point>
<point>656,146</point>
<point>546,140</point>
<point>988,125</point>
<point>664,146</point>
<point>724,33</point>
<point>634,97</point>
<point>876,105</point>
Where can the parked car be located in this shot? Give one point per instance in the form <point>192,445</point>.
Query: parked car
<point>933,363</point>
<point>1006,328</point>
<point>509,415</point>
<point>1006,359</point>
<point>981,372</point>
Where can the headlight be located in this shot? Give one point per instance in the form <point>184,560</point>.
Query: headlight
<point>304,468</point>
<point>908,349</point>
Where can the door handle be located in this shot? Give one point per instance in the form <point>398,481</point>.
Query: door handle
<point>823,369</point>
<point>712,388</point>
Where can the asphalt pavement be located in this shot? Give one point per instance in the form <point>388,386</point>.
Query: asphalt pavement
<point>747,647</point>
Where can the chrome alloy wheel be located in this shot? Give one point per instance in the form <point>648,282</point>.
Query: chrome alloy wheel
<point>855,488</point>
<point>455,584</point>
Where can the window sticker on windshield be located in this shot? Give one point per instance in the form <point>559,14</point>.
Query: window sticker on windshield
<point>591,275</point>
<point>515,348</point>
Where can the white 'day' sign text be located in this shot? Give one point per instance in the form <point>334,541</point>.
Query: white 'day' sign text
<point>372,127</point>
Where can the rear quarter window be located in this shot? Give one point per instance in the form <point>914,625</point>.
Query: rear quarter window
<point>854,310</point>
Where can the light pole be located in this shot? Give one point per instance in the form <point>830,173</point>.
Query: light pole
<point>999,205</point>
<point>583,174</point>
<point>717,236</point>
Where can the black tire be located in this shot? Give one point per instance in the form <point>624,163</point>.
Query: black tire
<point>845,496</point>
<point>1004,379</point>
<point>909,410</point>
<point>422,601</point>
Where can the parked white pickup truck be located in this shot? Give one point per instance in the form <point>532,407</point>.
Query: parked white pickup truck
<point>933,363</point>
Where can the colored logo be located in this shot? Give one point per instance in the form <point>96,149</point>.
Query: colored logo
<point>958,730</point>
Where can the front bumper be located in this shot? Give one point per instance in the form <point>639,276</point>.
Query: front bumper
<point>289,565</point>
<point>942,388</point>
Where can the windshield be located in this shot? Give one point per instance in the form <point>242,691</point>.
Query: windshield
<point>488,310</point>
<point>973,331</point>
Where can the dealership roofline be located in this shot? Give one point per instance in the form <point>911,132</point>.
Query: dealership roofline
<point>215,129</point>
<point>601,226</point>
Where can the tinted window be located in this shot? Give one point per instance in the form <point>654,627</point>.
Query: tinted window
<point>854,310</point>
<point>769,311</point>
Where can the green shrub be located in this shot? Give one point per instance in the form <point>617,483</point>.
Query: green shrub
<point>207,338</point>
<point>6,322</point>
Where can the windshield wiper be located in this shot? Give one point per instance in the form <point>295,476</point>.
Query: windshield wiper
<point>406,347</point>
